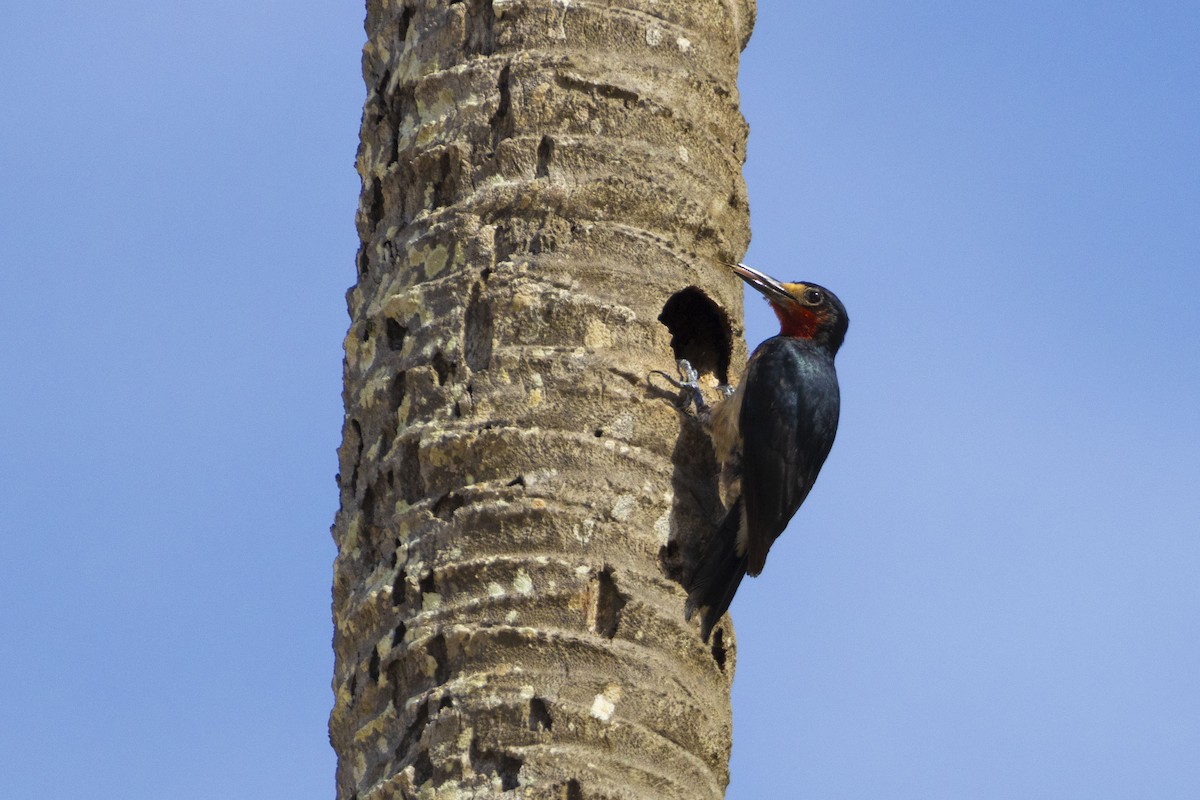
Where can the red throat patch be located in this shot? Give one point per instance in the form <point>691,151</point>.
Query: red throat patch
<point>798,322</point>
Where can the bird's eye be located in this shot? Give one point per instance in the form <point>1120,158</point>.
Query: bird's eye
<point>813,297</point>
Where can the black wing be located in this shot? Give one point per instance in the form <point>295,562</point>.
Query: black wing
<point>788,420</point>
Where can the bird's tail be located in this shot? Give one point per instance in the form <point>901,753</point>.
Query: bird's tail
<point>719,573</point>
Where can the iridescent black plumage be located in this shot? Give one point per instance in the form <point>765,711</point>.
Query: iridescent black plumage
<point>775,430</point>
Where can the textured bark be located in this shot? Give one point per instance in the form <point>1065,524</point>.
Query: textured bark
<point>545,185</point>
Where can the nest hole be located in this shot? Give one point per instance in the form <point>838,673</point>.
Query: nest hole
<point>700,330</point>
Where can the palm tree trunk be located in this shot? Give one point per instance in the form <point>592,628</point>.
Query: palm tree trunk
<point>545,183</point>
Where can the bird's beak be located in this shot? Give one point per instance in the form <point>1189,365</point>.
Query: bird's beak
<point>769,287</point>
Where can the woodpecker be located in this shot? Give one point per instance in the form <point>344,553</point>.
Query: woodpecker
<point>771,435</point>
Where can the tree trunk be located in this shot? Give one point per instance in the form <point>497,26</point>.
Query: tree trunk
<point>545,185</point>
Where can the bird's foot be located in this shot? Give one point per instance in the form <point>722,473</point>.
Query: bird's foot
<point>688,385</point>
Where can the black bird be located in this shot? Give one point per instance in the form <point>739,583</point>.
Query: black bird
<point>771,435</point>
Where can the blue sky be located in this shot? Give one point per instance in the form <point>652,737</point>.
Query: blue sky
<point>992,592</point>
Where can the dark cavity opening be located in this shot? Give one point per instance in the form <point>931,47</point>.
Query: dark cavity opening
<point>700,332</point>
<point>545,153</point>
<point>609,603</point>
<point>497,762</point>
<point>373,666</point>
<point>396,391</point>
<point>412,734</point>
<point>375,212</point>
<point>405,21</point>
<point>356,436</point>
<point>399,588</point>
<point>539,715</point>
<point>718,648</point>
<point>441,657</point>
<point>422,769</point>
<point>408,475</point>
<point>447,504</point>
<point>479,330</point>
<point>443,366</point>
<point>501,122</point>
<point>395,335</point>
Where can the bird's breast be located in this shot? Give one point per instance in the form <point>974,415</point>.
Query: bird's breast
<point>725,421</point>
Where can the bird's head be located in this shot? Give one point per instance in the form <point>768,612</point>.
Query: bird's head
<point>805,310</point>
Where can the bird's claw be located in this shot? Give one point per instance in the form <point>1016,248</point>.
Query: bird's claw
<point>688,385</point>
<point>688,373</point>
